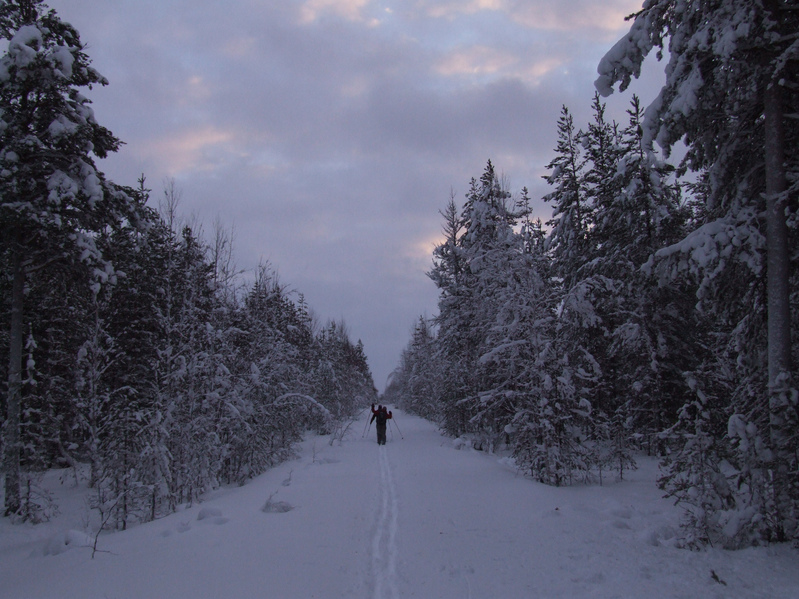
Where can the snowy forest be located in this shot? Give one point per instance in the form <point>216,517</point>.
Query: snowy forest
<point>656,310</point>
<point>133,344</point>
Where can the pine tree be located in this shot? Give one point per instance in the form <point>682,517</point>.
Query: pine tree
<point>490,249</point>
<point>730,86</point>
<point>448,273</point>
<point>602,147</point>
<point>53,197</point>
<point>477,243</point>
<point>416,381</point>
<point>572,216</point>
<point>643,346</point>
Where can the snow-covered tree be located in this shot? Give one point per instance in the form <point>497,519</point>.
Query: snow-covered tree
<point>53,197</point>
<point>169,379</point>
<point>491,251</point>
<point>602,148</point>
<point>416,381</point>
<point>476,245</point>
<point>644,342</point>
<point>729,92</point>
<point>448,273</point>
<point>572,216</point>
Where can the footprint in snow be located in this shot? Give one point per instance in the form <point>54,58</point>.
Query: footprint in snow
<point>625,513</point>
<point>212,515</point>
<point>183,527</point>
<point>207,513</point>
<point>276,507</point>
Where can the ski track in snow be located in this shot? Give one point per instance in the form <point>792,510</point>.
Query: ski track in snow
<point>384,543</point>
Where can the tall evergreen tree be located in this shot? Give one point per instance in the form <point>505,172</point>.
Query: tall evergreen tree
<point>572,216</point>
<point>636,212</point>
<point>477,243</point>
<point>730,86</point>
<point>448,273</point>
<point>418,374</point>
<point>53,198</point>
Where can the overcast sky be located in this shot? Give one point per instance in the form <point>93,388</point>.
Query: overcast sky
<point>329,133</point>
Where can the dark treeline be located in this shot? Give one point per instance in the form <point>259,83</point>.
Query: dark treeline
<point>634,320</point>
<point>134,347</point>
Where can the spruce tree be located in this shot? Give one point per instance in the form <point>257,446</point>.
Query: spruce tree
<point>449,275</point>
<point>730,88</point>
<point>53,197</point>
<point>572,215</point>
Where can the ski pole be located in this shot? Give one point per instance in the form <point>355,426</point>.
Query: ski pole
<point>398,429</point>
<point>367,423</point>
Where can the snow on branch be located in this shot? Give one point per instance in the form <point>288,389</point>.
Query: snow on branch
<point>623,61</point>
<point>706,251</point>
<point>305,398</point>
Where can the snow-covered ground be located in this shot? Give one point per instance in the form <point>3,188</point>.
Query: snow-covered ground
<point>414,518</point>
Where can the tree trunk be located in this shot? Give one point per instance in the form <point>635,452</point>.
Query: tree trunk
<point>778,292</point>
<point>777,245</point>
<point>11,430</point>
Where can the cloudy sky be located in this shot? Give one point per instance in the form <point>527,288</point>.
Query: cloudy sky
<point>329,133</point>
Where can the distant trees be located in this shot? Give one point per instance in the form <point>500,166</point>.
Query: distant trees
<point>417,379</point>
<point>139,351</point>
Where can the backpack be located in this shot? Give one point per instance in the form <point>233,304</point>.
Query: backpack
<point>381,416</point>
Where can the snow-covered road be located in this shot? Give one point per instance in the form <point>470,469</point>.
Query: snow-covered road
<point>414,518</point>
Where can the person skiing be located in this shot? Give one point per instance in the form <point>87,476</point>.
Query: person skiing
<point>382,415</point>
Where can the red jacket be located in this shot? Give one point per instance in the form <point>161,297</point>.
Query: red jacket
<point>381,414</point>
